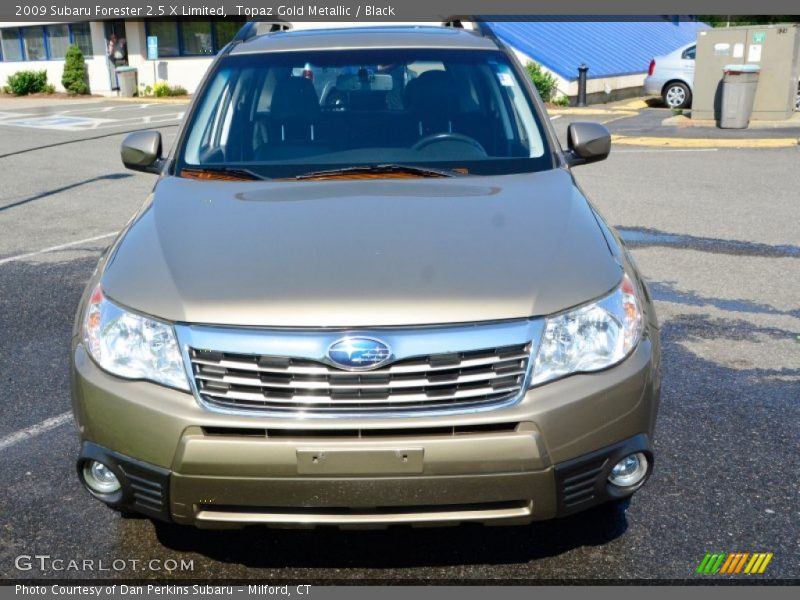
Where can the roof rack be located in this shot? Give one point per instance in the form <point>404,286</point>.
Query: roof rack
<point>457,22</point>
<point>253,29</point>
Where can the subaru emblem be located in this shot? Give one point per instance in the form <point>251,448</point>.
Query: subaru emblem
<point>359,353</point>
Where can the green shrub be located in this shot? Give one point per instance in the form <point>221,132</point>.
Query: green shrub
<point>162,88</point>
<point>75,78</point>
<point>561,101</point>
<point>544,81</point>
<point>23,83</point>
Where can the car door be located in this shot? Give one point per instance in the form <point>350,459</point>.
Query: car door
<point>686,63</point>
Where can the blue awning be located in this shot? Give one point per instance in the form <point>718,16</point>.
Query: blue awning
<point>608,48</point>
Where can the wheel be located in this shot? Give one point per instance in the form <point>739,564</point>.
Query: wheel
<point>677,95</point>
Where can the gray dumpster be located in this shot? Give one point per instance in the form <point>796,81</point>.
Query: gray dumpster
<point>127,77</point>
<point>739,85</point>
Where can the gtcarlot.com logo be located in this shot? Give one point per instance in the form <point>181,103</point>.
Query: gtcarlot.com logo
<point>734,563</point>
<point>46,563</point>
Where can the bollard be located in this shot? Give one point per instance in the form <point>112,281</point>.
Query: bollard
<point>582,85</point>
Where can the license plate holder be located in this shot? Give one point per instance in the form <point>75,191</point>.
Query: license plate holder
<point>359,461</point>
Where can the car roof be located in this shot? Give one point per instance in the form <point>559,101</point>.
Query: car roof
<point>354,38</point>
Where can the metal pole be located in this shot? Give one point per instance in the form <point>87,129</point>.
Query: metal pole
<point>582,85</point>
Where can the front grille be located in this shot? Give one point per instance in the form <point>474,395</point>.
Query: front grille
<point>457,380</point>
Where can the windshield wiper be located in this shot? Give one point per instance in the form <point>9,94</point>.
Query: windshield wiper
<point>390,168</point>
<point>220,173</point>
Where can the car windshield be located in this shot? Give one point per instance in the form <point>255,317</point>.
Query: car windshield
<point>290,114</point>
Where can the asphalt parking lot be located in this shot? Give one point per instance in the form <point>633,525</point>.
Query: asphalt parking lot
<point>716,231</point>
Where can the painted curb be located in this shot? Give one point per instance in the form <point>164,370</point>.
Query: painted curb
<point>669,142</point>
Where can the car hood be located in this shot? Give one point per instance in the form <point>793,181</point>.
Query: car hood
<point>352,253</point>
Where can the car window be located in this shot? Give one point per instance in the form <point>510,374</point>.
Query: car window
<point>689,53</point>
<point>286,114</point>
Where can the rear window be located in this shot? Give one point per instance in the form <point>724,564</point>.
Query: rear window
<point>290,113</point>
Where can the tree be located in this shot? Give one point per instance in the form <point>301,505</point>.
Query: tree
<point>75,79</point>
<point>737,20</point>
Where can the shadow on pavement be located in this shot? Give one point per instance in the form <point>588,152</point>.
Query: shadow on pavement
<point>399,547</point>
<point>64,188</point>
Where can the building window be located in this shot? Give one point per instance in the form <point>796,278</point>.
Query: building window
<point>33,42</point>
<point>57,40</point>
<point>196,37</point>
<point>82,37</point>
<point>192,38</point>
<point>167,34</point>
<point>224,32</point>
<point>10,42</point>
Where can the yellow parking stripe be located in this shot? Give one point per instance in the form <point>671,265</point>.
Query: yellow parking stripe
<point>705,142</point>
<point>634,105</point>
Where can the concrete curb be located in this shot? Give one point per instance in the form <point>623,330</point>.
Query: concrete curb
<point>591,111</point>
<point>684,121</point>
<point>669,142</point>
<point>149,100</point>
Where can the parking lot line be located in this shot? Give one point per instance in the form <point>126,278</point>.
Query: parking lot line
<point>9,259</point>
<point>34,430</point>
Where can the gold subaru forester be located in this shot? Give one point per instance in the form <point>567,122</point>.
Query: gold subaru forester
<point>365,290</point>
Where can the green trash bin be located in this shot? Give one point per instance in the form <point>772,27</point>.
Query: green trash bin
<point>128,79</point>
<point>739,84</point>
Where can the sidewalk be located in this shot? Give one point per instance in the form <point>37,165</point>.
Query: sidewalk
<point>151,99</point>
<point>637,123</point>
<point>24,102</point>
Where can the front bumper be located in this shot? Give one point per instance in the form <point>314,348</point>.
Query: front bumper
<point>547,456</point>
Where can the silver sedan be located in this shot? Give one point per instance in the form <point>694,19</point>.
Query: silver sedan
<point>672,76</point>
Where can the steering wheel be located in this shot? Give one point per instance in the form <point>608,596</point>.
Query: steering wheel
<point>436,138</point>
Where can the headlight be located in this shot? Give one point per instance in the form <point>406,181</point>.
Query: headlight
<point>590,338</point>
<point>130,345</point>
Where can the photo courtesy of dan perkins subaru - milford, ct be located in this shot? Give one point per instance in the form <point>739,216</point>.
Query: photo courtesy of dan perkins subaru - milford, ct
<point>365,290</point>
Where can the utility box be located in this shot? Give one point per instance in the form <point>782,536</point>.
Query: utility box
<point>773,48</point>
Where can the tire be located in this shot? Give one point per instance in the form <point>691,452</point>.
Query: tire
<point>677,94</point>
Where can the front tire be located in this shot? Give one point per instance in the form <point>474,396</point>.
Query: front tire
<point>677,95</point>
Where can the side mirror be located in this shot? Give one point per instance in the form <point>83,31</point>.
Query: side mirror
<point>588,143</point>
<point>141,151</point>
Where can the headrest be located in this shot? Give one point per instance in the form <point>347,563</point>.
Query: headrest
<point>294,97</point>
<point>433,90</point>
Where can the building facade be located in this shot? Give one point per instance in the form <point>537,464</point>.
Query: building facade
<point>617,53</point>
<point>185,49</point>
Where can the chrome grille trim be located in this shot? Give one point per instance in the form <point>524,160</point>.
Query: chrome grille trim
<point>432,371</point>
<point>324,370</point>
<point>333,385</point>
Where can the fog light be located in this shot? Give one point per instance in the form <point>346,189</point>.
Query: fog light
<point>629,471</point>
<point>100,478</point>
